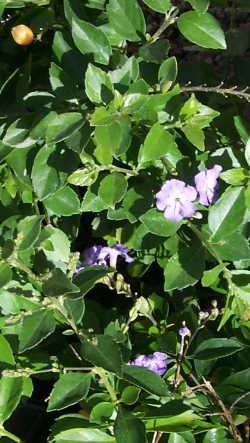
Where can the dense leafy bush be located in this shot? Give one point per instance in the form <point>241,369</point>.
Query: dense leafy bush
<point>125,289</point>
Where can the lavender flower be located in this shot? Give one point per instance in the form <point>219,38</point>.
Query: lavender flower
<point>175,199</point>
<point>206,184</point>
<point>184,331</point>
<point>104,255</point>
<point>156,362</point>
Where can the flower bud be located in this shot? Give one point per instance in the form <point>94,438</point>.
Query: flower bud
<point>22,35</point>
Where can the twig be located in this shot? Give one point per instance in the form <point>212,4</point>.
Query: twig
<point>157,436</point>
<point>234,90</point>
<point>238,399</point>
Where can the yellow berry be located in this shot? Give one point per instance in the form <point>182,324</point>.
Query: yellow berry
<point>22,35</point>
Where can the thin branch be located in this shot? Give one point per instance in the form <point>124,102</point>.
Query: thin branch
<point>234,90</point>
<point>238,400</point>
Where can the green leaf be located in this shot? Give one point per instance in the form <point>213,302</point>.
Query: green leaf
<point>55,244</point>
<point>80,435</point>
<point>29,229</point>
<point>92,201</point>
<point>167,73</point>
<point>158,144</point>
<point>45,178</point>
<point>88,277</point>
<point>35,328</point>
<point>178,423</point>
<point>130,395</point>
<point>199,5</point>
<point>227,214</point>
<point>202,29</point>
<point>10,395</point>
<point>71,388</point>
<point>75,308</point>
<point>216,435</point>
<point>62,126</point>
<point>155,52</point>
<point>17,134</point>
<point>98,86</point>
<point>232,247</point>
<point>158,5</point>
<point>126,17</point>
<point>235,176</point>
<point>247,152</point>
<point>63,202</point>
<point>5,274</point>
<point>112,188</point>
<point>58,284</point>
<point>101,412</point>
<point>98,350</point>
<point>128,428</point>
<point>115,137</point>
<point>209,277</point>
<point>196,136</point>
<point>214,348</point>
<point>145,379</point>
<point>157,224</point>
<point>91,40</point>
<point>83,177</point>
<point>6,354</point>
<point>181,272</point>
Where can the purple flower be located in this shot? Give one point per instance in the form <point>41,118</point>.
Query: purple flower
<point>175,199</point>
<point>183,332</point>
<point>104,255</point>
<point>206,184</point>
<point>156,362</point>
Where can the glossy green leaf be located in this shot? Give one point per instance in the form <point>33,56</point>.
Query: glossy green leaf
<point>29,229</point>
<point>80,435</point>
<point>181,272</point>
<point>6,354</point>
<point>114,137</point>
<point>88,277</point>
<point>202,29</point>
<point>5,274</point>
<point>10,395</point>
<point>101,412</point>
<point>214,348</point>
<point>83,177</point>
<point>45,177</point>
<point>130,395</point>
<point>200,5</point>
<point>98,86</point>
<point>128,428</point>
<point>35,327</point>
<point>17,134</point>
<point>156,223</point>
<point>62,126</point>
<point>71,388</point>
<point>158,5</point>
<point>158,144</point>
<point>98,349</point>
<point>58,284</point>
<point>227,214</point>
<point>91,40</point>
<point>167,73</point>
<point>209,277</point>
<point>113,188</point>
<point>126,17</point>
<point>63,202</point>
<point>176,423</point>
<point>235,177</point>
<point>145,379</point>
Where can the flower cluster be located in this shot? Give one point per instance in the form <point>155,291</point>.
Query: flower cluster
<point>104,255</point>
<point>156,362</point>
<point>177,199</point>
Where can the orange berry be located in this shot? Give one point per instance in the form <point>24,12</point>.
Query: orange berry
<point>22,35</point>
